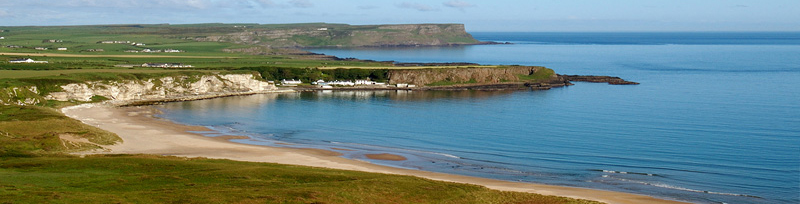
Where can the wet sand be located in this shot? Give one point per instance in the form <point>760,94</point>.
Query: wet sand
<point>386,156</point>
<point>144,134</point>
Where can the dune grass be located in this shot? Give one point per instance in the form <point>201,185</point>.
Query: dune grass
<point>37,131</point>
<point>157,179</point>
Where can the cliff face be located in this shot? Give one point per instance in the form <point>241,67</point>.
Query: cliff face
<point>163,88</point>
<point>472,75</point>
<point>351,36</point>
<point>143,90</point>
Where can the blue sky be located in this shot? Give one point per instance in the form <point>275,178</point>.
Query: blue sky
<point>495,15</point>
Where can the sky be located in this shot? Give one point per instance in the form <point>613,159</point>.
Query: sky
<point>495,15</point>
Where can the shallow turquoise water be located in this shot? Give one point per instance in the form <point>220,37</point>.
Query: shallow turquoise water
<point>716,118</point>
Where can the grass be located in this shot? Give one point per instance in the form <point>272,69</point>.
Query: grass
<point>157,179</point>
<point>16,74</point>
<point>537,76</point>
<point>36,131</point>
<point>450,83</point>
<point>200,61</point>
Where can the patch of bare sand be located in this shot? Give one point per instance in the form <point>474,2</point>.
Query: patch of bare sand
<point>146,135</point>
<point>386,156</point>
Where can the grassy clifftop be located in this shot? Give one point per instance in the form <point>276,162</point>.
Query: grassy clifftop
<point>273,36</point>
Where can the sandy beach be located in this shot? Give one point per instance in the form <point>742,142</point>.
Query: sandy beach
<point>144,134</point>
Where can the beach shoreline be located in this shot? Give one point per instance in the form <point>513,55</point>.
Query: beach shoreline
<point>144,134</point>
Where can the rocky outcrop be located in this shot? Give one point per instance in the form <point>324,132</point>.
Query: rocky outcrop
<point>479,75</point>
<point>166,88</point>
<point>28,95</point>
<point>598,79</point>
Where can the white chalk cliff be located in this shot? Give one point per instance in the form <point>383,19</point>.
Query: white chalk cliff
<point>163,88</point>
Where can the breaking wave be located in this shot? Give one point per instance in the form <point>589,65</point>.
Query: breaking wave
<point>684,189</point>
<point>625,172</point>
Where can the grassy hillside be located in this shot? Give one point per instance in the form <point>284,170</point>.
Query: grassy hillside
<point>27,131</point>
<point>155,179</point>
<point>197,38</point>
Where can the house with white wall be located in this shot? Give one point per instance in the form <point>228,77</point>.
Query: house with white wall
<point>29,60</point>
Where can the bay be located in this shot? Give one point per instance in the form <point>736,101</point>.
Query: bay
<point>716,118</point>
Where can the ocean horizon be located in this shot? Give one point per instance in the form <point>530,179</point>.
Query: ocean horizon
<point>714,119</point>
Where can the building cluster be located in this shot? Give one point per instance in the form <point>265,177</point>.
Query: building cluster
<point>290,82</point>
<point>330,84</point>
<point>121,42</point>
<point>37,48</point>
<point>347,83</point>
<point>52,41</point>
<point>29,60</point>
<point>114,42</point>
<point>154,51</point>
<point>167,65</point>
<point>45,48</point>
<point>404,85</point>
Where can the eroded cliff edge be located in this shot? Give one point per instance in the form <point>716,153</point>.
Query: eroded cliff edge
<point>482,75</point>
<point>121,92</point>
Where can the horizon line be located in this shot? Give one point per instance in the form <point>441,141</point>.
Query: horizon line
<point>481,30</point>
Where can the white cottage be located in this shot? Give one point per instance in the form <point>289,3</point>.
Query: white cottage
<point>290,82</point>
<point>29,60</point>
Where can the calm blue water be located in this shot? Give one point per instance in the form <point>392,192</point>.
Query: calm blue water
<point>716,117</point>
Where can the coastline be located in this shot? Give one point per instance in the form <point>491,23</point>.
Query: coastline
<point>144,134</point>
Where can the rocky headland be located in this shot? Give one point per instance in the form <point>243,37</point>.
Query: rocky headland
<point>481,78</point>
<point>598,79</point>
<point>342,35</point>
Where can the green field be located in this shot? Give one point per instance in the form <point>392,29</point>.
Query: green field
<point>15,74</point>
<point>200,54</point>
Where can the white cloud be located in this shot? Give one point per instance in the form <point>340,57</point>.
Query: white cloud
<point>301,3</point>
<point>416,6</point>
<point>196,3</point>
<point>267,3</point>
<point>458,4</point>
<point>171,4</point>
<point>4,13</point>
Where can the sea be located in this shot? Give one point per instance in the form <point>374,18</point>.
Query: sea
<point>716,118</point>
